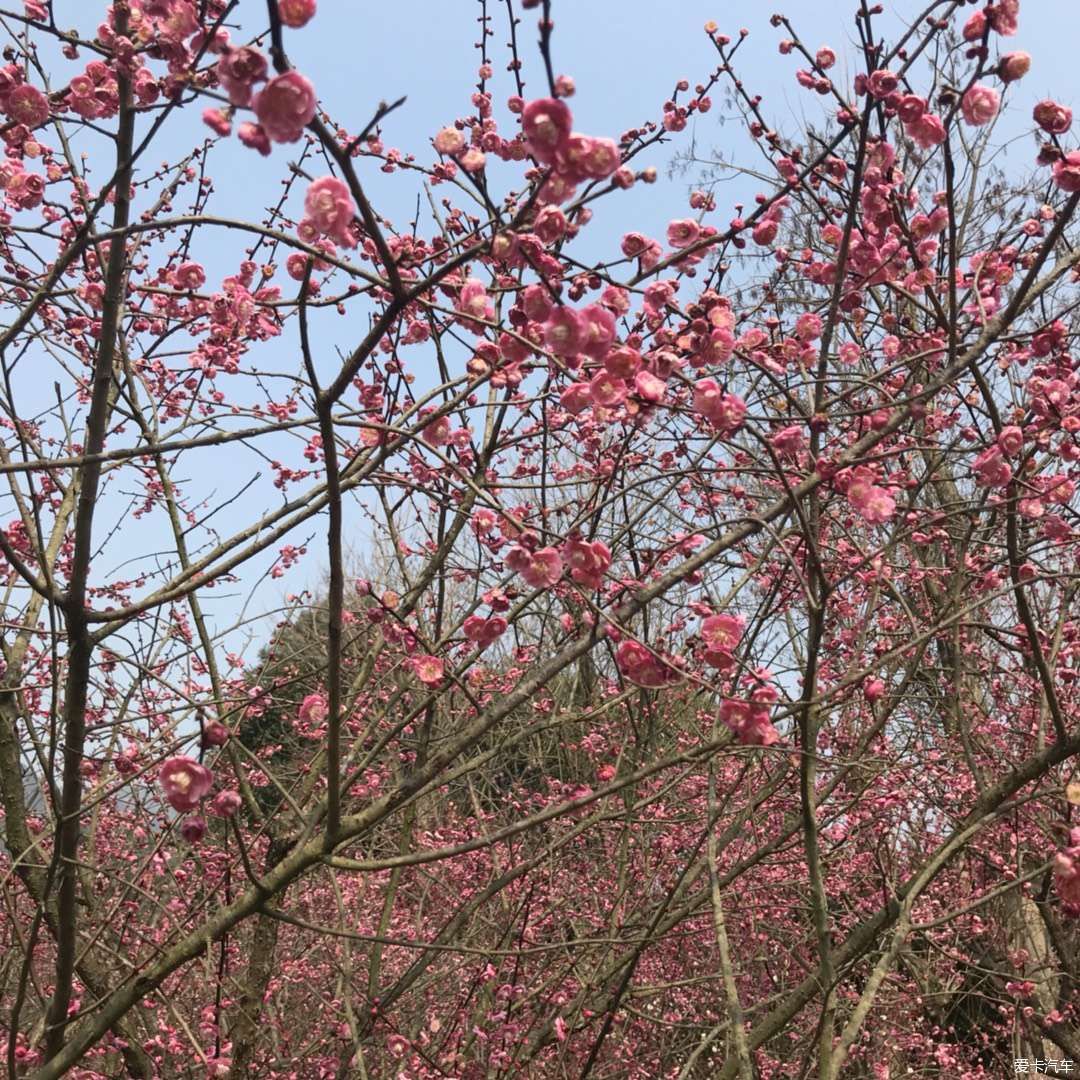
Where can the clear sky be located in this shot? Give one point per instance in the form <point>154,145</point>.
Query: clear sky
<point>625,58</point>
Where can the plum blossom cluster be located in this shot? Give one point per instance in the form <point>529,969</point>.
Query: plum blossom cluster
<point>543,567</point>
<point>643,666</point>
<point>568,157</point>
<point>22,189</point>
<point>724,410</point>
<point>621,379</point>
<point>484,631</point>
<point>329,211</point>
<point>283,104</point>
<point>185,783</point>
<point>869,499</point>
<point>749,721</point>
<point>720,634</point>
<point>26,108</point>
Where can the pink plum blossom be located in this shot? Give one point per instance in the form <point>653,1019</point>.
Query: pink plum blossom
<point>564,332</point>
<point>607,390</point>
<point>429,669</point>
<point>991,468</point>
<point>1011,440</point>
<point>254,137</point>
<point>721,633</point>
<point>484,631</point>
<point>682,233</point>
<point>296,13</point>
<point>329,210</point>
<point>546,123</point>
<point>193,828</point>
<point>927,131</point>
<point>642,666</point>
<point>449,141</point>
<point>588,561</point>
<point>597,330</point>
<point>285,106</point>
<point>649,387</point>
<point>313,710</point>
<point>541,568</point>
<point>238,71</point>
<point>184,782</point>
<point>980,104</point>
<point>27,105</point>
<point>474,301</point>
<point>1013,66</point>
<point>189,276</point>
<point>1067,172</point>
<point>1004,16</point>
<point>215,733</point>
<point>749,722</point>
<point>1052,117</point>
<point>873,502</point>
<point>225,803</point>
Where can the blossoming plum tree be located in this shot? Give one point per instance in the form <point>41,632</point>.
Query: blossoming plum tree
<point>712,710</point>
